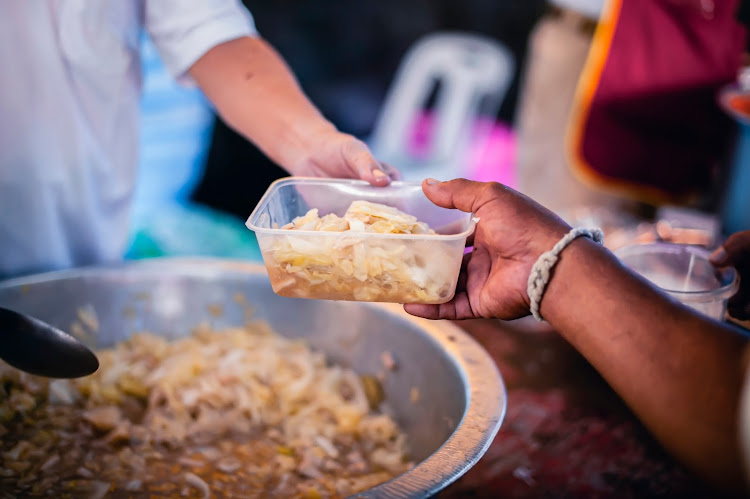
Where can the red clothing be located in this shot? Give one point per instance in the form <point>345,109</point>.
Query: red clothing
<point>646,119</point>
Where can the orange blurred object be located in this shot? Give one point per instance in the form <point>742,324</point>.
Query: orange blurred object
<point>740,103</point>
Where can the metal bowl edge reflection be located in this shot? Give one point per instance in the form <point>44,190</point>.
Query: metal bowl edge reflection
<point>461,396</point>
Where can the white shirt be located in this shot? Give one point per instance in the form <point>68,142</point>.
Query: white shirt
<point>590,8</point>
<point>69,95</point>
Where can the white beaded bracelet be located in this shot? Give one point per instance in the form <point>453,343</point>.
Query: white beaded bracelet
<point>540,272</point>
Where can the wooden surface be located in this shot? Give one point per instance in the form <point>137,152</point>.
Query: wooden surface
<point>565,433</point>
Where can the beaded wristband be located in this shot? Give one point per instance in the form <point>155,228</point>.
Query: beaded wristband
<point>540,272</point>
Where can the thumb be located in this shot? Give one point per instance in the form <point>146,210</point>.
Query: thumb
<point>735,251</point>
<point>366,166</point>
<point>462,194</point>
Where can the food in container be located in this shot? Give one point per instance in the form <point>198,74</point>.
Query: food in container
<point>169,297</point>
<point>346,240</point>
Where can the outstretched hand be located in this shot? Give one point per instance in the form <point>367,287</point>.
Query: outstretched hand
<point>735,252</point>
<point>340,155</point>
<point>256,93</point>
<point>511,233</point>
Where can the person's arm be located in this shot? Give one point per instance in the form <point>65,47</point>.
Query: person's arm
<point>679,372</point>
<point>255,93</point>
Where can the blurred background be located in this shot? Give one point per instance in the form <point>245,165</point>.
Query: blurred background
<point>198,178</point>
<point>490,81</point>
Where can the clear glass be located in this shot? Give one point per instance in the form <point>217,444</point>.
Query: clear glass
<point>358,266</point>
<point>684,272</point>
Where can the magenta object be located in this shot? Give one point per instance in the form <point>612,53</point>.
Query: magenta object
<point>491,154</point>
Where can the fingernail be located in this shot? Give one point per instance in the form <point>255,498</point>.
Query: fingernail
<point>432,181</point>
<point>378,174</point>
<point>718,256</point>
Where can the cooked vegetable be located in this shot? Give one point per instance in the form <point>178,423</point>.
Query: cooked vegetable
<point>241,412</point>
<point>350,265</point>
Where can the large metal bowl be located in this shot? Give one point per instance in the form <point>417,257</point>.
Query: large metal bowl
<point>461,394</point>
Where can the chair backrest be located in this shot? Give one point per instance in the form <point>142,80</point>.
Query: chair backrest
<point>471,73</point>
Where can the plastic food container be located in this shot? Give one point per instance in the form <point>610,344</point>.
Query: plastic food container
<point>684,272</point>
<point>358,266</point>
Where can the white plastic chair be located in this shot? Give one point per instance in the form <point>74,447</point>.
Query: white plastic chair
<point>472,72</point>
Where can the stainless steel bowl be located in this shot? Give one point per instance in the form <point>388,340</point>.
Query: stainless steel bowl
<point>461,394</point>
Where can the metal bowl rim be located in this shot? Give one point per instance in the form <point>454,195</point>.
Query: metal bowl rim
<point>485,390</point>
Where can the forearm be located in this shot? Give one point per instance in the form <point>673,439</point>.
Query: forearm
<point>257,95</point>
<point>679,372</point>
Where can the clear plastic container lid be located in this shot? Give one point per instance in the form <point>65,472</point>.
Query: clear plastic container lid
<point>292,197</point>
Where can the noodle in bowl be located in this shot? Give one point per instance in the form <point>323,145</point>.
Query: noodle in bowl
<point>392,405</point>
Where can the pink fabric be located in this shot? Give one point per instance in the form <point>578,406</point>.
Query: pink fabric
<point>495,160</point>
<point>491,155</point>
